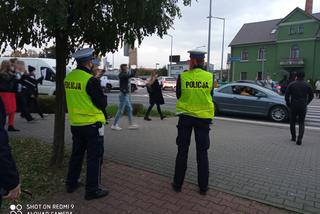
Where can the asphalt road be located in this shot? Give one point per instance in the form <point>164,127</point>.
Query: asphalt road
<point>253,160</point>
<point>141,96</point>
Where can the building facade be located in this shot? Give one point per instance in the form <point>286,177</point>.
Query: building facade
<point>274,48</point>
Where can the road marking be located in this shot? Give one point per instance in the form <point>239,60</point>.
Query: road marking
<point>263,123</point>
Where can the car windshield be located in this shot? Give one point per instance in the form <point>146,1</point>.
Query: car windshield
<point>113,77</point>
<point>170,79</point>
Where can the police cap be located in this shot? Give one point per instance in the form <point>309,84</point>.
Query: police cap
<point>83,55</point>
<point>197,54</point>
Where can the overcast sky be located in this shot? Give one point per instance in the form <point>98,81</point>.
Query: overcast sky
<point>191,30</point>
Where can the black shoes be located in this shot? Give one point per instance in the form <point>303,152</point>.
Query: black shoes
<point>293,139</point>
<point>176,188</point>
<point>299,142</point>
<point>162,117</point>
<point>147,118</point>
<point>203,191</point>
<point>72,188</point>
<point>100,193</point>
<point>12,129</point>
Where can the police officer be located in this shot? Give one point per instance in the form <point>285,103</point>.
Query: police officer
<point>85,102</point>
<point>196,111</point>
<point>9,175</point>
<point>298,95</point>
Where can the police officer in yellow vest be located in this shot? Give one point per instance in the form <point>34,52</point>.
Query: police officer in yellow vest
<point>195,110</point>
<point>85,102</point>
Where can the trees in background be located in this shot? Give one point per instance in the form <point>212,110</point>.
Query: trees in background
<point>71,24</point>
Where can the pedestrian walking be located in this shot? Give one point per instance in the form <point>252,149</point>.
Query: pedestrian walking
<point>298,95</point>
<point>24,90</point>
<point>85,103</point>
<point>7,92</point>
<point>317,85</point>
<point>33,83</point>
<point>9,175</point>
<point>124,101</point>
<point>196,111</point>
<point>155,95</point>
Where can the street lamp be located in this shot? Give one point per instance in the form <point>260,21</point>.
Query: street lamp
<point>209,35</point>
<point>157,66</point>
<point>170,54</point>
<point>222,50</point>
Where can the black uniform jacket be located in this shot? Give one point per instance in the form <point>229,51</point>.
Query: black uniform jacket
<point>298,94</point>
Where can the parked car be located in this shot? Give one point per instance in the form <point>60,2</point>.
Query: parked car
<point>167,82</point>
<point>138,81</point>
<point>113,83</point>
<point>250,98</point>
<point>104,82</point>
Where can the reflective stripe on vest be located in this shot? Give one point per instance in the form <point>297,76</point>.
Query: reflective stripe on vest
<point>196,99</point>
<point>81,110</point>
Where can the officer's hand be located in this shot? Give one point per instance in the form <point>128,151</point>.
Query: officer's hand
<point>14,193</point>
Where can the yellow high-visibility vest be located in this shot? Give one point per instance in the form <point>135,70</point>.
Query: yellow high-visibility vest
<point>196,99</point>
<point>81,110</point>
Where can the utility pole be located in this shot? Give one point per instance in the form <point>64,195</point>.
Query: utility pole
<point>222,49</point>
<point>209,35</point>
<point>170,54</point>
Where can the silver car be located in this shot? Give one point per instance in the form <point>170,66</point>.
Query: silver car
<point>248,98</point>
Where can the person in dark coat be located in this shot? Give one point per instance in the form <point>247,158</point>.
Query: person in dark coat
<point>32,88</point>
<point>24,90</point>
<point>9,175</point>
<point>298,95</point>
<point>155,95</point>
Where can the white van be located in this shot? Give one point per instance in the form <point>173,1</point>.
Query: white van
<point>43,67</point>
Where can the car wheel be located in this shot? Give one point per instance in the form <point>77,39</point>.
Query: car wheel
<point>108,88</point>
<point>278,114</point>
<point>133,88</point>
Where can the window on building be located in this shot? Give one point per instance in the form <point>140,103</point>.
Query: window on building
<point>243,76</point>
<point>262,53</point>
<point>295,52</point>
<point>292,29</point>
<point>244,55</point>
<point>301,29</point>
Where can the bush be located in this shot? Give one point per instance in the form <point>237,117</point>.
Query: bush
<point>137,108</point>
<point>47,104</point>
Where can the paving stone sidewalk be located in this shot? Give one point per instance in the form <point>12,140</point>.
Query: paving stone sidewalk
<point>253,161</point>
<point>139,192</point>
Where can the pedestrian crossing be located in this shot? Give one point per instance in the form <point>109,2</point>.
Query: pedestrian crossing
<point>313,114</point>
<point>165,95</point>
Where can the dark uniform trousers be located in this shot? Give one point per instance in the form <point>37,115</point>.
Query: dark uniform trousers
<point>201,131</point>
<point>297,113</point>
<point>86,138</point>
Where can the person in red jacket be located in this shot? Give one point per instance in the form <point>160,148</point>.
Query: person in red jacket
<point>7,92</point>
